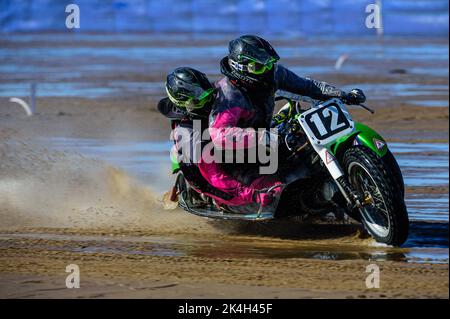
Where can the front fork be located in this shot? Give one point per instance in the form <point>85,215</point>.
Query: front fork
<point>353,199</point>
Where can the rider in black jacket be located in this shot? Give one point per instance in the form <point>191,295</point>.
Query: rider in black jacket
<point>246,97</point>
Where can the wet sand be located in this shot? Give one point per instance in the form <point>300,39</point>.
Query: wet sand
<point>63,206</point>
<point>30,269</point>
<point>111,235</point>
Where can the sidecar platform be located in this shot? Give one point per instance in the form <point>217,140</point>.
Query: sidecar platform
<point>212,212</point>
<point>250,212</point>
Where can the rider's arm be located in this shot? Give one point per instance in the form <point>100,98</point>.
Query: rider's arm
<point>289,81</point>
<point>226,135</point>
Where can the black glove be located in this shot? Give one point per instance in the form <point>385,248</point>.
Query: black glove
<point>354,97</point>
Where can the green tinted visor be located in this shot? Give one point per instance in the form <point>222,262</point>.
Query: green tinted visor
<point>256,67</point>
<point>192,103</point>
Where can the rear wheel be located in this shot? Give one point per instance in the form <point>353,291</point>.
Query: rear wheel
<point>384,211</point>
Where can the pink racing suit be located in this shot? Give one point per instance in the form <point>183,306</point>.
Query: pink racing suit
<point>202,176</point>
<point>232,193</point>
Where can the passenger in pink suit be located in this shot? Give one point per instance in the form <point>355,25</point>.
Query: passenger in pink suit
<point>190,97</point>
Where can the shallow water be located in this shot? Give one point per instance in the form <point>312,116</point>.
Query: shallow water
<point>238,247</point>
<point>83,89</point>
<point>141,159</point>
<point>76,65</point>
<point>428,240</point>
<point>431,95</point>
<point>422,164</point>
<point>427,207</point>
<point>430,103</point>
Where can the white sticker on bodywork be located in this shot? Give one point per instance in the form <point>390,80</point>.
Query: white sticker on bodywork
<point>329,158</point>
<point>379,144</point>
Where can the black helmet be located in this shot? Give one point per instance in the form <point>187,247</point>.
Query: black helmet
<point>190,91</point>
<point>251,58</point>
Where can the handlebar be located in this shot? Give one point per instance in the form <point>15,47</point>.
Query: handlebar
<point>290,97</point>
<point>367,108</point>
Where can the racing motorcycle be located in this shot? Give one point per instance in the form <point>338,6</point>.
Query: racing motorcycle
<point>330,164</point>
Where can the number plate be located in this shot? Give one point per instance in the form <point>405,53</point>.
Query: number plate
<point>327,122</point>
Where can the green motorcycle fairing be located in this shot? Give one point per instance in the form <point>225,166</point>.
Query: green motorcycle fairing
<point>363,135</point>
<point>175,164</point>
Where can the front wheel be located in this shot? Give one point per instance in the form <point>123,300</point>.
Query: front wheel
<point>384,211</point>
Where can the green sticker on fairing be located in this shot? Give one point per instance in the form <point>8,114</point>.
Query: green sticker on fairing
<point>175,164</point>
